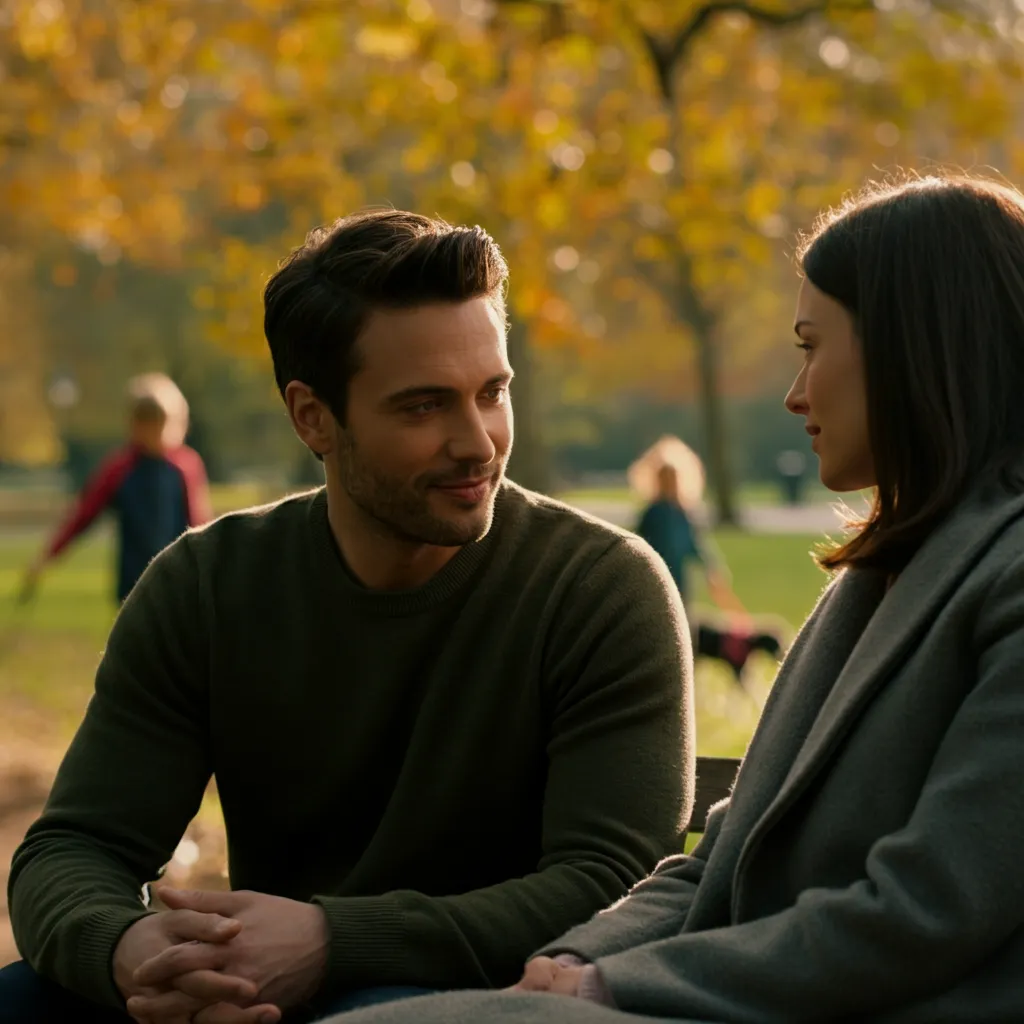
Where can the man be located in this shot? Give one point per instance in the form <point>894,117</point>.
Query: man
<point>155,485</point>
<point>448,717</point>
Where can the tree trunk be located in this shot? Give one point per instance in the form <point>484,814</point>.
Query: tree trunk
<point>715,432</point>
<point>666,59</point>
<point>530,464</point>
<point>692,310</point>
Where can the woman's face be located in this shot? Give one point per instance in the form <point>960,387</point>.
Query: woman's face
<point>829,391</point>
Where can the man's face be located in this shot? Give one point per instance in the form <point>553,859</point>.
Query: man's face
<point>429,424</point>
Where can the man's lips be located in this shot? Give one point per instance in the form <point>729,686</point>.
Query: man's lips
<point>471,490</point>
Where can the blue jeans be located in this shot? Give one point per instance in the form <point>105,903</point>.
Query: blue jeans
<point>27,998</point>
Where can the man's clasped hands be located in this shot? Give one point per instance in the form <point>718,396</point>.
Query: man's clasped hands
<point>221,958</point>
<point>244,958</point>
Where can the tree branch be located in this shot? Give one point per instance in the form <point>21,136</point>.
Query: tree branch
<point>667,53</point>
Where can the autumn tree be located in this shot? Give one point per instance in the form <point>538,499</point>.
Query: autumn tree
<point>641,163</point>
<point>715,127</point>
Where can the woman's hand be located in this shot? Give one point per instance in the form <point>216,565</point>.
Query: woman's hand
<point>542,974</point>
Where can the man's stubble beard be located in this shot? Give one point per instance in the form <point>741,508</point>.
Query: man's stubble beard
<point>402,509</point>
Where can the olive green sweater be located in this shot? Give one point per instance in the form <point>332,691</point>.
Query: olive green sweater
<point>456,774</point>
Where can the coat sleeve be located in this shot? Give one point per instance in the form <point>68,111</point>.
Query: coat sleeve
<point>938,897</point>
<point>655,908</point>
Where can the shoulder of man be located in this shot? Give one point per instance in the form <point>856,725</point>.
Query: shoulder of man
<point>538,513</point>
<point>556,529</point>
<point>256,535</point>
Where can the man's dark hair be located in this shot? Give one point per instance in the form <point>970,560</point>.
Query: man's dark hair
<point>323,293</point>
<point>932,271</point>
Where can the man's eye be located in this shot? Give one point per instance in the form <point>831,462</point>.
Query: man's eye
<point>421,408</point>
<point>497,394</point>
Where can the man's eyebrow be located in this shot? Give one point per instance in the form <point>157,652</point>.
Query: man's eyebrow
<point>418,391</point>
<point>421,391</point>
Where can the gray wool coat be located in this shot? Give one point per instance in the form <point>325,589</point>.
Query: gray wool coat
<point>870,863</point>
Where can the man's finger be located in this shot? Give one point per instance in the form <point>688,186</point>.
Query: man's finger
<point>159,970</point>
<point>176,1019</point>
<point>195,925</point>
<point>163,1006</point>
<point>225,1013</point>
<point>215,987</point>
<point>206,902</point>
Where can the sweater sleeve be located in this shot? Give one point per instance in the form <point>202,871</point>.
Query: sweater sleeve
<point>938,897</point>
<point>618,794</point>
<point>131,781</point>
<point>655,908</point>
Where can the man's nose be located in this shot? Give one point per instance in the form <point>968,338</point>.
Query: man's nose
<point>471,442</point>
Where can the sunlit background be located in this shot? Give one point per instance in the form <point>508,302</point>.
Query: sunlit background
<point>645,166</point>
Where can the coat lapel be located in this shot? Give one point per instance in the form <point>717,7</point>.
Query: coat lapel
<point>903,615</point>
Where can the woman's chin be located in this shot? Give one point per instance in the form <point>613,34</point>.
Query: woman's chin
<point>842,481</point>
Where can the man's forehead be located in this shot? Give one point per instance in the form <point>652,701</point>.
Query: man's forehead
<point>407,346</point>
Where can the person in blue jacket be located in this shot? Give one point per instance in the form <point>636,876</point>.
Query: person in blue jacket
<point>667,524</point>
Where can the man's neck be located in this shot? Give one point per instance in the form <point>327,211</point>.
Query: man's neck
<point>375,556</point>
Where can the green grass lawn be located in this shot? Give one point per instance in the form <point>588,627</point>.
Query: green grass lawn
<point>773,575</point>
<point>50,649</point>
<point>746,494</point>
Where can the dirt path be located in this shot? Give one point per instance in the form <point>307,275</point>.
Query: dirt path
<point>24,782</point>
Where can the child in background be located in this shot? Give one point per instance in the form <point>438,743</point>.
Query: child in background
<point>670,476</point>
<point>155,485</point>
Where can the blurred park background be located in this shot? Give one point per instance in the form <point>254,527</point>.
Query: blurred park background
<point>645,165</point>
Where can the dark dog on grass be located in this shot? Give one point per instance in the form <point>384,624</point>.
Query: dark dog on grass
<point>734,643</point>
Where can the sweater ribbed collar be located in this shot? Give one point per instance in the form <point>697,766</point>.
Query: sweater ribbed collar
<point>442,585</point>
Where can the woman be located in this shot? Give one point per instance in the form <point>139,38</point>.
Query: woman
<point>669,476</point>
<point>867,866</point>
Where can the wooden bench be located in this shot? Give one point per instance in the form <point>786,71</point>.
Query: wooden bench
<point>715,776</point>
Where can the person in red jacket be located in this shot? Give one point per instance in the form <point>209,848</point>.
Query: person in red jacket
<point>155,485</point>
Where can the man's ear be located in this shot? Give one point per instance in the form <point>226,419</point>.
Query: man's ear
<point>312,420</point>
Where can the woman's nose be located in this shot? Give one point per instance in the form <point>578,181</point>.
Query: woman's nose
<point>796,403</point>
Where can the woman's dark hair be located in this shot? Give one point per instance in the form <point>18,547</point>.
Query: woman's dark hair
<point>932,271</point>
<point>319,300</point>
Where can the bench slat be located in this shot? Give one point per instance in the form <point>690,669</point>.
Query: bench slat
<point>715,776</point>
